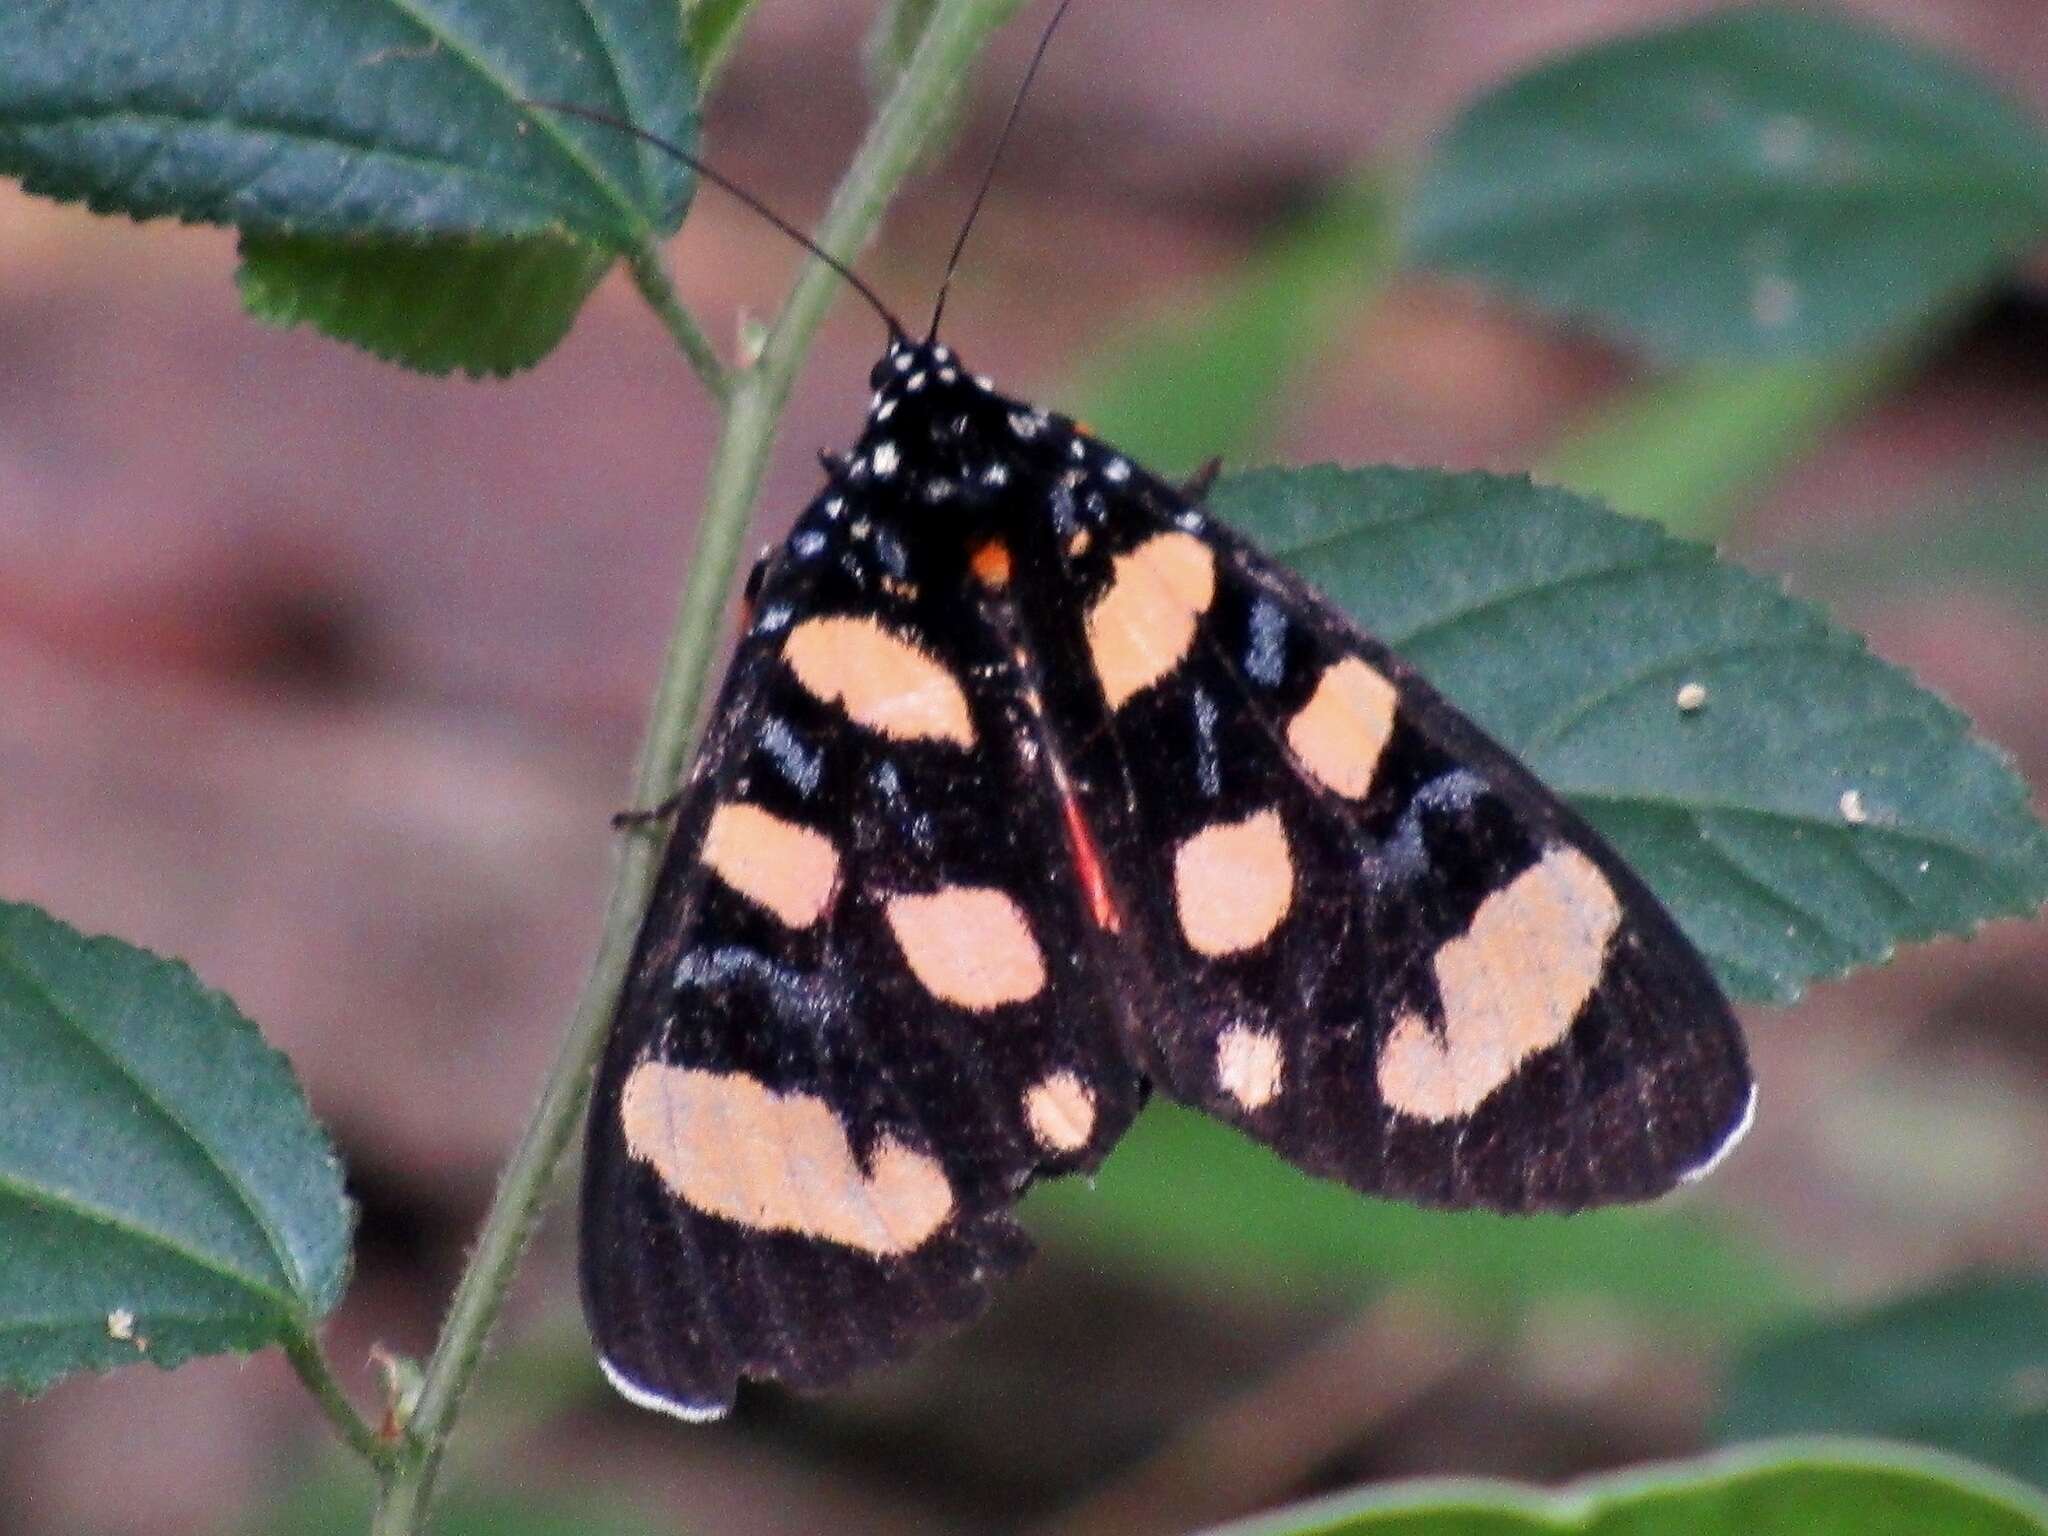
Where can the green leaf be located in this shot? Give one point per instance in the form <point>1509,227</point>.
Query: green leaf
<point>1759,182</point>
<point>336,132</point>
<point>1988,538</point>
<point>1962,1369</point>
<point>1692,449</point>
<point>1191,1198</point>
<point>432,305</point>
<point>1794,1488</point>
<point>333,1506</point>
<point>1819,808</point>
<point>710,29</point>
<point>164,1191</point>
<point>1211,380</point>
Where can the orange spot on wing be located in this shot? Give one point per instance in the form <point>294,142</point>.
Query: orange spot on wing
<point>1511,985</point>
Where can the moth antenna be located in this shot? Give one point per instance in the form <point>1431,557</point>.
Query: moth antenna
<point>732,189</point>
<point>988,176</point>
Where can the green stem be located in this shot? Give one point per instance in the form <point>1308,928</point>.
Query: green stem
<point>899,136</point>
<point>652,279</point>
<point>303,1350</point>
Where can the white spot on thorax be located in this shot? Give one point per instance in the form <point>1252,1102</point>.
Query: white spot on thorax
<point>1116,471</point>
<point>1024,424</point>
<point>886,459</point>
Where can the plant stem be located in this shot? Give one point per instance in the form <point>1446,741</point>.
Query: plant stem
<point>652,279</point>
<point>899,135</point>
<point>303,1350</point>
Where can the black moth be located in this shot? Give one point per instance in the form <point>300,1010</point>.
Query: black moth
<point>1032,788</point>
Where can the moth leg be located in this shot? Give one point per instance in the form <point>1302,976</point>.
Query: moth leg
<point>1195,489</point>
<point>634,821</point>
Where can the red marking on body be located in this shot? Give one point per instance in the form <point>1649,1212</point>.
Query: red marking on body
<point>991,562</point>
<point>1088,865</point>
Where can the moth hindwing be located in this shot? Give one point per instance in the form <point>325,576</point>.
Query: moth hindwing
<point>1031,788</point>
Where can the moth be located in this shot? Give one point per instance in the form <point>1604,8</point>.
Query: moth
<point>1033,789</point>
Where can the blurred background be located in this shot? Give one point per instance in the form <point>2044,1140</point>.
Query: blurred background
<point>326,678</point>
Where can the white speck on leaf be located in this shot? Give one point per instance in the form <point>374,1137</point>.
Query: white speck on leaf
<point>1773,301</point>
<point>1787,143</point>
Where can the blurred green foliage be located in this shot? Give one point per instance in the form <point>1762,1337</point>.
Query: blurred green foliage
<point>1821,1488</point>
<point>1988,536</point>
<point>1212,380</point>
<point>1759,182</point>
<point>1191,1200</point>
<point>1963,1368</point>
<point>333,1506</point>
<point>1689,449</point>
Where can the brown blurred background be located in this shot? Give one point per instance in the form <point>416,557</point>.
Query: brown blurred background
<point>326,678</point>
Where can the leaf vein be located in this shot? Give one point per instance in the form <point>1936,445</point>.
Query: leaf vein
<point>288,1268</point>
<point>1507,597</point>
<point>199,1258</point>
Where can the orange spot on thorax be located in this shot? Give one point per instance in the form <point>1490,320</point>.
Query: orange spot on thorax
<point>990,563</point>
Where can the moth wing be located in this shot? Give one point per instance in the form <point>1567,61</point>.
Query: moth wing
<point>1367,934</point>
<point>861,1017</point>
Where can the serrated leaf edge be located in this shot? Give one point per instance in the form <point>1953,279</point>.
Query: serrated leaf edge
<point>302,1299</point>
